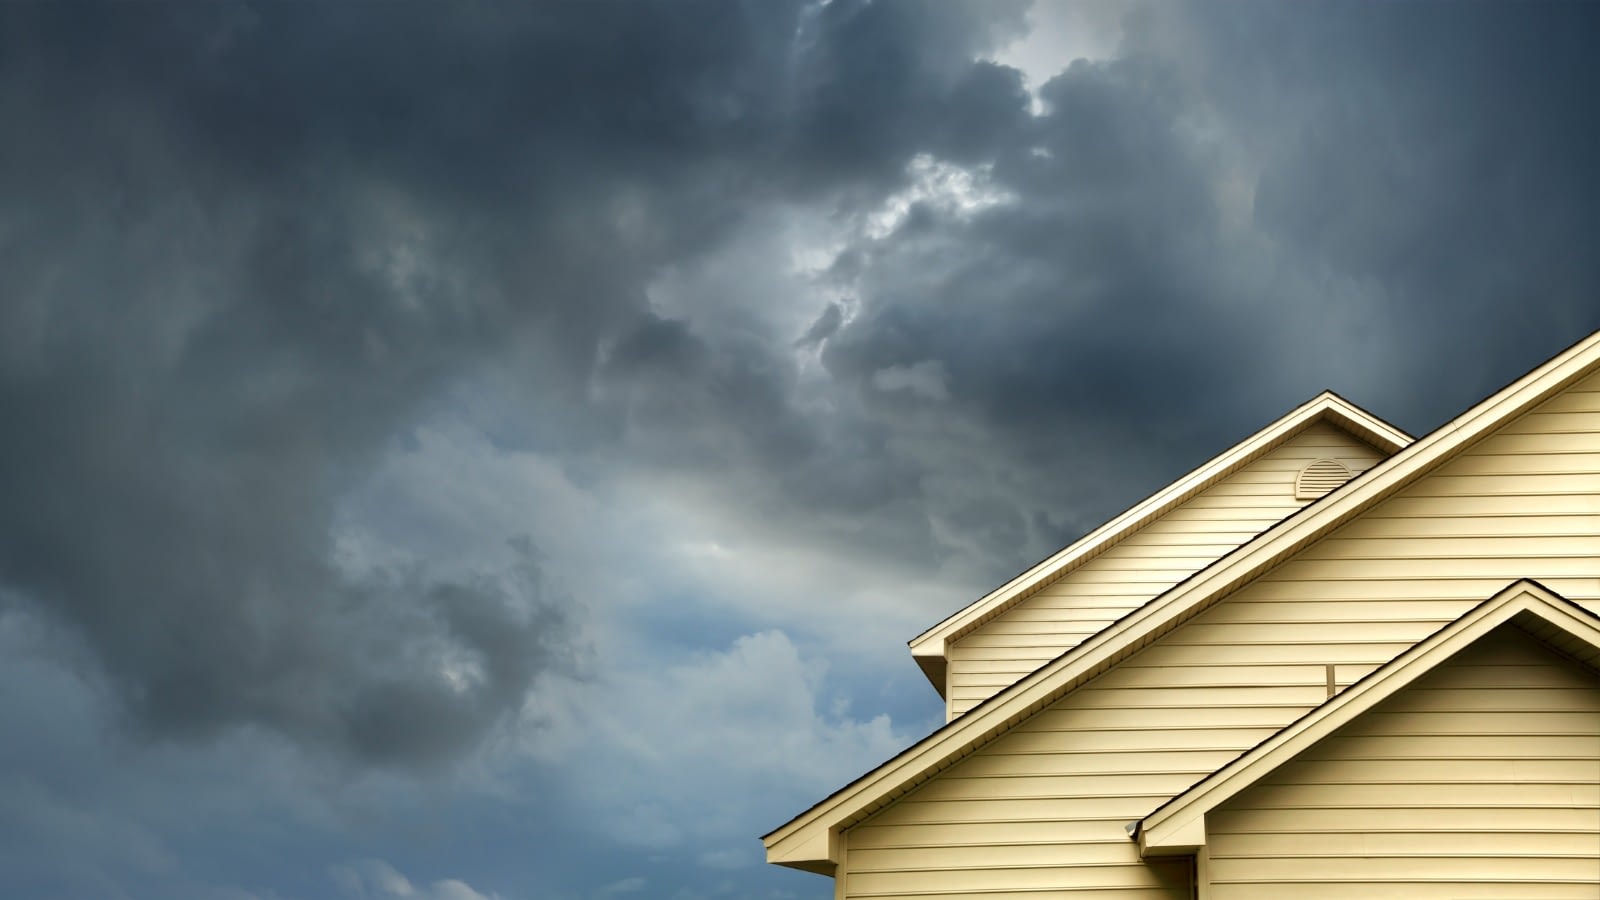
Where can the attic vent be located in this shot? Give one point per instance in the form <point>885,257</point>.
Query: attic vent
<point>1320,477</point>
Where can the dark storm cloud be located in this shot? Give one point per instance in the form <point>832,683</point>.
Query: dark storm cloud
<point>1112,321</point>
<point>1092,270</point>
<point>695,404</point>
<point>245,248</point>
<point>1445,158</point>
<point>1065,319</point>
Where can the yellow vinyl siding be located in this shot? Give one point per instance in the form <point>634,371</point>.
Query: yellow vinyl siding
<point>1245,668</point>
<point>1482,779</point>
<point>1041,810</point>
<point>1188,538</point>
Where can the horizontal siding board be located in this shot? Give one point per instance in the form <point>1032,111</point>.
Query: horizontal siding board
<point>1473,526</point>
<point>1394,547</point>
<point>1284,586</point>
<point>1309,611</point>
<point>1531,506</point>
<point>1238,487</point>
<point>1491,461</point>
<point>1101,852</point>
<point>1407,870</point>
<point>1539,423</point>
<point>1047,892</point>
<point>1187,536</point>
<point>1477,770</point>
<point>1203,696</point>
<point>1502,567</point>
<point>1496,746</point>
<point>989,666</point>
<point>1532,443</point>
<point>1526,485</point>
<point>1373,891</point>
<point>1483,722</point>
<point>1038,639</point>
<point>1024,660</point>
<point>1437,843</point>
<point>1174,555</point>
<point>1384,797</point>
<point>1088,609</point>
<point>980,881</point>
<point>1131,762</point>
<point>1262,506</point>
<point>1478,699</point>
<point>1133,676</point>
<point>1405,630</point>
<point>980,834</point>
<point>1571,402</point>
<point>1220,517</point>
<point>1205,737</point>
<point>1023,787</point>
<point>1243,654</point>
<point>1327,820</point>
<point>909,813</point>
<point>1105,589</point>
<point>1063,717</point>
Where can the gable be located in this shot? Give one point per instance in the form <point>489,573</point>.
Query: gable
<point>1292,613</point>
<point>1482,777</point>
<point>1181,541</point>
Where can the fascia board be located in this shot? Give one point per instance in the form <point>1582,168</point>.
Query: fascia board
<point>1178,827</point>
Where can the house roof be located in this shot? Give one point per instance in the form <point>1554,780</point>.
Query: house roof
<point>1179,826</point>
<point>929,648</point>
<point>809,840</point>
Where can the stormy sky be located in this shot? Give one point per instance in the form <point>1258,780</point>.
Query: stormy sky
<point>469,450</point>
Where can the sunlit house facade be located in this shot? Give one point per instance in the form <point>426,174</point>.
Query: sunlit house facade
<point>1332,662</point>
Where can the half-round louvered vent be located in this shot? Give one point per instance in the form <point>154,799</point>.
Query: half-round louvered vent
<point>1320,477</point>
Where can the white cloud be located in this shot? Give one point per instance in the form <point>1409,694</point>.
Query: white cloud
<point>1059,33</point>
<point>944,186</point>
<point>375,879</point>
<point>631,885</point>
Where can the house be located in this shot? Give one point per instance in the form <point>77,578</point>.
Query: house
<point>1331,662</point>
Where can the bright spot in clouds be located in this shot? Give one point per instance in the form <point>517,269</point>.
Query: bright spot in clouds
<point>940,186</point>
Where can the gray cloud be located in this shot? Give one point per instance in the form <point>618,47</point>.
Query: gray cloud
<point>251,257</point>
<point>1422,212</point>
<point>823,328</point>
<point>1443,173</point>
<point>247,249</point>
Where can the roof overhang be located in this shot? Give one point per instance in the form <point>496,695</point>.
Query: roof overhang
<point>1179,826</point>
<point>930,648</point>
